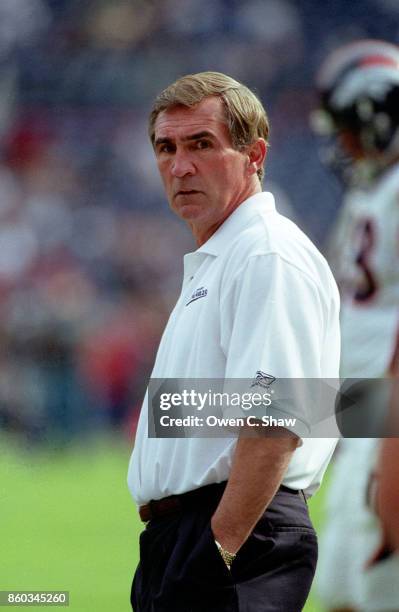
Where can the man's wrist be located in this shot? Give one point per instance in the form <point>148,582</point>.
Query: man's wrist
<point>230,541</point>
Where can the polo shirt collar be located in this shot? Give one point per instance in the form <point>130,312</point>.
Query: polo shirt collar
<point>258,203</point>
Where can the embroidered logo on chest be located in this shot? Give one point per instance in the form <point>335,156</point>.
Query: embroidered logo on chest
<point>199,293</point>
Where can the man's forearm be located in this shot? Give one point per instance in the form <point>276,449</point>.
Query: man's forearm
<point>388,473</point>
<point>258,467</point>
<point>388,491</point>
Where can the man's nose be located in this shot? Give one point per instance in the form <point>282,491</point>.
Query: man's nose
<point>182,165</point>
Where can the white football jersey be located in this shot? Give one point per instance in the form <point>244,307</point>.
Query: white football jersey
<point>365,261</point>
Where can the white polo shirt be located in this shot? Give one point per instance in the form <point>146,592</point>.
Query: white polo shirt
<point>257,295</point>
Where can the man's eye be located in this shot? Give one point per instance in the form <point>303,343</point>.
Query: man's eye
<point>203,144</point>
<point>165,148</point>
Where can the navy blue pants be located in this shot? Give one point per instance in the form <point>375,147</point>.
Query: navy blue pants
<point>181,570</point>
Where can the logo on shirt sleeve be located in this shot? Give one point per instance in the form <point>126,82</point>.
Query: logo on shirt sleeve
<point>263,380</point>
<point>199,293</point>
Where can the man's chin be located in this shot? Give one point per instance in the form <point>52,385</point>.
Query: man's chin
<point>188,210</point>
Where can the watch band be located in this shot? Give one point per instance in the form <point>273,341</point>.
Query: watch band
<point>227,556</point>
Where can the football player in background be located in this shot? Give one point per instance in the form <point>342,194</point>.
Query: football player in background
<point>359,113</point>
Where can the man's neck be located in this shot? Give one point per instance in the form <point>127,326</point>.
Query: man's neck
<point>202,234</point>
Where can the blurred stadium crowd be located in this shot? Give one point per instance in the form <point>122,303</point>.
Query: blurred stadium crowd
<point>90,257</point>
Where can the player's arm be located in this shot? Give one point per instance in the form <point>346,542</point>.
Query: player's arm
<point>387,503</point>
<point>386,499</point>
<point>258,467</point>
<point>388,491</point>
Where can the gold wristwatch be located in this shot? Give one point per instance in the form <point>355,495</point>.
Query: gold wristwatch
<point>227,556</point>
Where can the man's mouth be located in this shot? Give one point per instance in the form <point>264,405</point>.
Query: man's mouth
<point>187,192</point>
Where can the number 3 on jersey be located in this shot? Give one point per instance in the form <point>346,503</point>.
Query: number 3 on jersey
<point>366,286</point>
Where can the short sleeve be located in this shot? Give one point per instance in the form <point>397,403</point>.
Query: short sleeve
<point>273,326</point>
<point>273,321</point>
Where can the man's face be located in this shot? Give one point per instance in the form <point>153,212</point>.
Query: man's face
<point>205,177</point>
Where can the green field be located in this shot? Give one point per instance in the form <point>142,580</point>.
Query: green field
<point>68,523</point>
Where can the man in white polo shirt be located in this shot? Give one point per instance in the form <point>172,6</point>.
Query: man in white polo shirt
<point>228,524</point>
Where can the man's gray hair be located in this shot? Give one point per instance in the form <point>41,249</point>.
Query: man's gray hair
<point>245,115</point>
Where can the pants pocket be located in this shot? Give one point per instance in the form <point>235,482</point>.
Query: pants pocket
<point>204,564</point>
<point>197,576</point>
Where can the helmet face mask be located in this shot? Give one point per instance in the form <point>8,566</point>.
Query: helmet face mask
<point>335,156</point>
<point>359,93</point>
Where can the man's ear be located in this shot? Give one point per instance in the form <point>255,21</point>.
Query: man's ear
<point>256,155</point>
